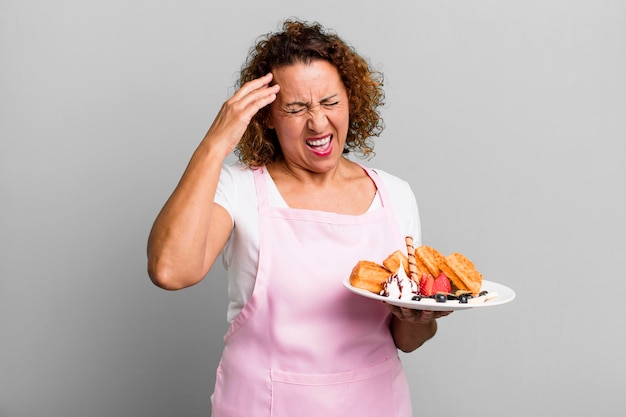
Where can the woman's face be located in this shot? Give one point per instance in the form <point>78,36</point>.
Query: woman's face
<point>310,115</point>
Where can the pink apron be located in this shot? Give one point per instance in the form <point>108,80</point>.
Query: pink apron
<point>303,345</point>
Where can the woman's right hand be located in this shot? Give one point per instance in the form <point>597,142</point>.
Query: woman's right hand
<point>236,113</point>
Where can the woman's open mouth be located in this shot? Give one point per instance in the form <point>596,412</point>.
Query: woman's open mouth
<point>321,146</point>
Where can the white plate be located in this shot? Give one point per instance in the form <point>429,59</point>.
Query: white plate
<point>504,295</point>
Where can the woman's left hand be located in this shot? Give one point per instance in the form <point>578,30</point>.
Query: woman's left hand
<point>416,316</point>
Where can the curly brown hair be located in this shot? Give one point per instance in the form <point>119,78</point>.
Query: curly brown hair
<point>302,42</point>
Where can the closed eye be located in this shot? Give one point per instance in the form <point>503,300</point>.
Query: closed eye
<point>300,108</point>
<point>295,108</point>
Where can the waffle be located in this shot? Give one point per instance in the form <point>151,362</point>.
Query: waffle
<point>462,273</point>
<point>428,260</point>
<point>369,276</point>
<point>392,262</point>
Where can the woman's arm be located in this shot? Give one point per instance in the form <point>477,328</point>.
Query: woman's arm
<point>191,230</point>
<point>411,328</point>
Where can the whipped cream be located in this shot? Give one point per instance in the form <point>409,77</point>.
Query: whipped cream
<point>400,286</point>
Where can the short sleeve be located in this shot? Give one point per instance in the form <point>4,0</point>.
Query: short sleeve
<point>404,205</point>
<point>226,193</point>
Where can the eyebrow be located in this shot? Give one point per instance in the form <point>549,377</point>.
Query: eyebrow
<point>301,103</point>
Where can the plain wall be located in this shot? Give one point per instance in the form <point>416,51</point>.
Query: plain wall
<point>508,118</point>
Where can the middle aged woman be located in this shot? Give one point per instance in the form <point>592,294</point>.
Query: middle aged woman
<point>291,218</point>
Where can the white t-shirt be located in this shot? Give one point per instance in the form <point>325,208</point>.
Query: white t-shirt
<point>236,192</point>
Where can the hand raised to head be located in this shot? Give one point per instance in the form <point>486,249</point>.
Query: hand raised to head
<point>236,113</point>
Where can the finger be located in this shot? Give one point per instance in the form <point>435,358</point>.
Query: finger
<point>403,313</point>
<point>396,311</point>
<point>408,313</point>
<point>249,102</point>
<point>253,85</point>
<point>427,316</point>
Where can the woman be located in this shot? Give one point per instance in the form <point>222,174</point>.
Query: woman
<point>291,218</point>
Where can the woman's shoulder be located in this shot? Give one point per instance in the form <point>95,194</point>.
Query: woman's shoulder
<point>236,174</point>
<point>236,184</point>
<point>392,180</point>
<point>404,202</point>
<point>236,170</point>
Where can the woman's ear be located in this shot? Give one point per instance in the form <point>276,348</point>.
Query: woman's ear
<point>269,123</point>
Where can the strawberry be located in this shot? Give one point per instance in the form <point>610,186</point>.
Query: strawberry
<point>426,285</point>
<point>441,284</point>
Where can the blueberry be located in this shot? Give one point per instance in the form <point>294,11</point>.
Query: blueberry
<point>416,298</point>
<point>440,297</point>
<point>463,298</point>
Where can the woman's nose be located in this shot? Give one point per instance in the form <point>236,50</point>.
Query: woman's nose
<point>317,120</point>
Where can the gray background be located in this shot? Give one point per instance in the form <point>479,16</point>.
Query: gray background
<point>507,117</point>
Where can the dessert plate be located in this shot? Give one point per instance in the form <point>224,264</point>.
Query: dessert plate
<point>502,293</point>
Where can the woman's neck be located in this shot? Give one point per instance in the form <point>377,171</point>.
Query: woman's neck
<point>345,189</point>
